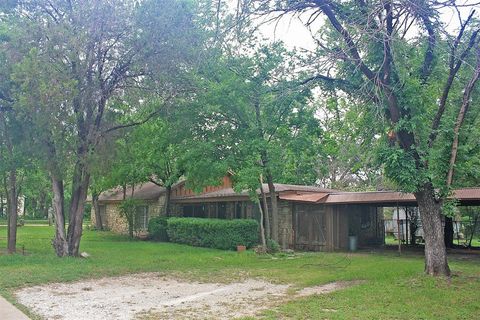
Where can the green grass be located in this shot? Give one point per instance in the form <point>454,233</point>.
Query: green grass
<point>3,222</point>
<point>390,240</point>
<point>394,288</point>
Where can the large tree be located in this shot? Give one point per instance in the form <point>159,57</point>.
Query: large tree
<point>82,59</point>
<point>259,122</point>
<point>399,57</point>
<point>12,147</point>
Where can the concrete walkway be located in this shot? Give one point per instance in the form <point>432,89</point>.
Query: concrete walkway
<point>9,312</point>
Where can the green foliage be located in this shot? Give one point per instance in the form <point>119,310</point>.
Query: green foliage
<point>128,209</point>
<point>272,246</point>
<point>213,233</point>
<point>157,229</point>
<point>400,167</point>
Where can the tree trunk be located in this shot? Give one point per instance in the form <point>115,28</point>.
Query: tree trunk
<point>431,214</point>
<point>262,229</point>
<point>273,200</point>
<point>96,209</point>
<point>448,232</point>
<point>168,193</point>
<point>60,241</point>
<point>80,184</point>
<point>12,212</point>
<point>413,237</point>
<point>42,204</point>
<point>2,209</point>
<point>268,230</point>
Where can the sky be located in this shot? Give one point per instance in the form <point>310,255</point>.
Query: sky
<point>292,31</point>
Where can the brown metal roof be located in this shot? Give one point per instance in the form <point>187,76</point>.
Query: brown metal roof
<point>144,191</point>
<point>465,196</point>
<point>222,194</point>
<point>281,187</point>
<point>369,197</point>
<point>304,197</point>
<point>296,193</point>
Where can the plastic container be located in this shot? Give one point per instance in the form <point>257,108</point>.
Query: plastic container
<point>352,243</point>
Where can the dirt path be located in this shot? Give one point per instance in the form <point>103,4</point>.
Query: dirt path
<point>153,296</point>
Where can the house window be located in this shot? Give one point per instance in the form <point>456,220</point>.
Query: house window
<point>188,211</point>
<point>103,214</point>
<point>141,218</point>
<point>199,211</point>
<point>238,210</point>
<point>222,210</point>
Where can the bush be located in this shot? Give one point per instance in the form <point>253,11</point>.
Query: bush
<point>213,233</point>
<point>157,229</point>
<point>272,246</point>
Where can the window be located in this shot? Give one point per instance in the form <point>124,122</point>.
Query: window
<point>188,211</point>
<point>141,218</point>
<point>238,210</point>
<point>103,214</point>
<point>222,210</point>
<point>199,211</point>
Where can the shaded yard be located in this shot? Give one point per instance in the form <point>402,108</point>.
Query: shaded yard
<point>394,287</point>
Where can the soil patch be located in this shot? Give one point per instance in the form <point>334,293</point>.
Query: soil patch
<point>327,288</point>
<point>155,296</point>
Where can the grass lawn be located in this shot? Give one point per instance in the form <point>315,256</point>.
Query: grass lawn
<point>394,287</point>
<point>390,240</point>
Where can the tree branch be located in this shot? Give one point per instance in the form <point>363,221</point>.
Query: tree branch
<point>320,77</point>
<point>454,67</point>
<point>132,124</point>
<point>461,117</point>
<point>324,5</point>
<point>427,65</point>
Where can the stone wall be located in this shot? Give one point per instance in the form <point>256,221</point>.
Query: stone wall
<point>113,220</point>
<point>285,225</point>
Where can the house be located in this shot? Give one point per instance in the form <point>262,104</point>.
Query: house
<point>310,218</point>
<point>151,197</point>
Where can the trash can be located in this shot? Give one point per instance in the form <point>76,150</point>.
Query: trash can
<point>352,243</point>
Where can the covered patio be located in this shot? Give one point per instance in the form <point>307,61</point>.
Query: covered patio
<point>394,218</point>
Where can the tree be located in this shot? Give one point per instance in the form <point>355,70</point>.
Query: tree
<point>10,171</point>
<point>347,134</point>
<point>89,56</point>
<point>12,151</point>
<point>160,146</point>
<point>418,80</point>
<point>259,123</point>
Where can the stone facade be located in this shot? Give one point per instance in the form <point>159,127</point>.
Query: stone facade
<point>112,219</point>
<point>302,226</point>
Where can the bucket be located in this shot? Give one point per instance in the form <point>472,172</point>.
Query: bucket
<point>352,243</point>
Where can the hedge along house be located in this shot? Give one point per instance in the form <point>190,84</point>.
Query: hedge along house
<point>310,218</point>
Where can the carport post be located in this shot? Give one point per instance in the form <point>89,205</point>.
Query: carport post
<point>398,230</point>
<point>407,238</point>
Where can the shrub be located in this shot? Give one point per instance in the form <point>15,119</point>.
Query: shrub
<point>157,229</point>
<point>272,246</point>
<point>213,233</point>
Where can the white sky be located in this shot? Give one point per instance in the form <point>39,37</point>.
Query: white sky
<point>292,31</point>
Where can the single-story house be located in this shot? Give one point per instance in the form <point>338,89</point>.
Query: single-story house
<point>310,218</point>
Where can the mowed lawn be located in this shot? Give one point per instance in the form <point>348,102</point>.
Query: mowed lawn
<point>394,286</point>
